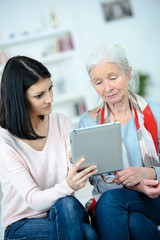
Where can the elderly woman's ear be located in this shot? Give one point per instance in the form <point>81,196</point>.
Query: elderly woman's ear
<point>130,71</point>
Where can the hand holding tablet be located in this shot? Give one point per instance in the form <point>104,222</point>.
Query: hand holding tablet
<point>100,145</point>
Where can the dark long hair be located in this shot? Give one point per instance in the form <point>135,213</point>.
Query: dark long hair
<point>19,74</point>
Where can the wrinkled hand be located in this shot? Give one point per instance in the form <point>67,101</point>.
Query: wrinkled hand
<point>77,180</point>
<point>149,187</point>
<point>131,176</point>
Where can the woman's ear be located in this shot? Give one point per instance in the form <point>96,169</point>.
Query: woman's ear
<point>130,71</point>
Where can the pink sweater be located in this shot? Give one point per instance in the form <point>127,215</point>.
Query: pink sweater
<point>32,181</point>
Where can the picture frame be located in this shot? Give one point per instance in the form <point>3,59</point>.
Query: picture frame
<point>116,9</point>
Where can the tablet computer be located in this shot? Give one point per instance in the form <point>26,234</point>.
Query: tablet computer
<point>100,145</point>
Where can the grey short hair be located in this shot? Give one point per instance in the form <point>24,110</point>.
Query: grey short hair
<point>113,54</point>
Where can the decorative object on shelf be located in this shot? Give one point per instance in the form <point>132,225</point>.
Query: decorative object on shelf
<point>144,80</point>
<point>64,43</point>
<point>53,18</point>
<point>12,35</point>
<point>25,33</point>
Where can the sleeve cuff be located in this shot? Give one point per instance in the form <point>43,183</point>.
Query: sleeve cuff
<point>157,169</point>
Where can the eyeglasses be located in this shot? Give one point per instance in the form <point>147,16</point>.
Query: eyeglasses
<point>108,180</point>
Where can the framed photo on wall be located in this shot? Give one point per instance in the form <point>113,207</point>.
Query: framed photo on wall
<point>116,9</point>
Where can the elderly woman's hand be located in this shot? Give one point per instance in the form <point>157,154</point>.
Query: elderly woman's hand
<point>77,179</point>
<point>149,187</point>
<point>131,176</point>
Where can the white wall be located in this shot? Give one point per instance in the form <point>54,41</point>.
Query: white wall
<point>139,34</point>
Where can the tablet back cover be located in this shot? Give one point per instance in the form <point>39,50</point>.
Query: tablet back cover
<point>100,145</point>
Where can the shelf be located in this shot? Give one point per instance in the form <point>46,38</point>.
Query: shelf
<point>58,56</point>
<point>33,37</point>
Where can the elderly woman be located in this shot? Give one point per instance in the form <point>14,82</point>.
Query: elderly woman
<point>124,211</point>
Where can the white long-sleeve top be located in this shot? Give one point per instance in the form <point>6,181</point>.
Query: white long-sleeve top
<point>32,181</point>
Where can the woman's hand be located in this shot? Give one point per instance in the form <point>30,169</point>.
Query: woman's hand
<point>70,157</point>
<point>131,176</point>
<point>77,179</point>
<point>149,187</point>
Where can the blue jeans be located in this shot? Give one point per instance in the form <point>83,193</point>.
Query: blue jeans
<point>125,214</point>
<point>67,220</point>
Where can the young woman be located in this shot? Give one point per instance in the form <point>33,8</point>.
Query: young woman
<point>37,178</point>
<point>124,211</point>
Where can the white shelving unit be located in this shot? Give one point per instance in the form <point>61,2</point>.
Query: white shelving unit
<point>49,46</point>
<point>56,49</point>
<point>58,57</point>
<point>33,37</point>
